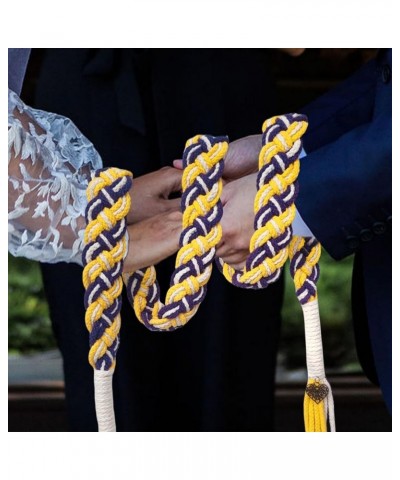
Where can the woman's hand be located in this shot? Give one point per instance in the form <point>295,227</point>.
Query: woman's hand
<point>155,221</point>
<point>150,192</point>
<point>152,240</point>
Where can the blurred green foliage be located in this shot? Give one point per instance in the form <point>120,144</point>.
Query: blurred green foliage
<point>30,328</point>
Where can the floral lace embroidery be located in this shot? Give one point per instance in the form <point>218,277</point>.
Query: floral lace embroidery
<point>49,166</point>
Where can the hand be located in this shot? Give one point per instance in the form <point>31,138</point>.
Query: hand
<point>241,159</point>
<point>293,52</point>
<point>150,192</point>
<point>237,220</point>
<point>152,240</point>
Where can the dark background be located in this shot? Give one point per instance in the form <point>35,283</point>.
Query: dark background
<point>39,406</point>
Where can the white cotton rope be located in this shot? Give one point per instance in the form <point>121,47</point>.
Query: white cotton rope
<point>103,397</point>
<point>315,354</point>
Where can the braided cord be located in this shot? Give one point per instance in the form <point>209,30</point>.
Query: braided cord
<point>304,254</point>
<point>273,242</point>
<point>201,232</point>
<point>274,203</point>
<point>105,241</point>
<point>271,245</point>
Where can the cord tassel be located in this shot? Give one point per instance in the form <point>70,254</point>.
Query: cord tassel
<point>318,413</point>
<point>314,409</point>
<point>318,398</point>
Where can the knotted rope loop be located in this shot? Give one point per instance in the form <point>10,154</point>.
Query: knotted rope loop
<point>274,203</point>
<point>201,232</point>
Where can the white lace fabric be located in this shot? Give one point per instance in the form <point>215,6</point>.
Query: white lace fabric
<point>49,166</point>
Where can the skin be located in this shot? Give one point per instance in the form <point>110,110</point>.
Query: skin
<point>241,159</point>
<point>150,192</point>
<point>237,221</point>
<point>293,52</point>
<point>153,240</point>
<point>155,221</point>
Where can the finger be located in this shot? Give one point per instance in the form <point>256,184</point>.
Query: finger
<point>238,266</point>
<point>224,196</point>
<point>173,180</point>
<point>222,250</point>
<point>236,261</point>
<point>178,164</point>
<point>172,205</point>
<point>152,240</point>
<point>232,256</point>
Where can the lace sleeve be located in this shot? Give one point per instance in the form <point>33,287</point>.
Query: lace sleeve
<point>49,166</point>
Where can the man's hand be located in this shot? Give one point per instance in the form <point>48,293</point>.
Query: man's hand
<point>149,194</point>
<point>152,240</point>
<point>237,220</point>
<point>241,159</point>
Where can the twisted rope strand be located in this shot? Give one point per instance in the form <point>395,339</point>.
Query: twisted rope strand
<point>274,203</point>
<point>105,241</point>
<point>201,232</point>
<point>271,244</point>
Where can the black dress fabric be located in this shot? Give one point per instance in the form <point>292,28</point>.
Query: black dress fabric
<point>139,107</point>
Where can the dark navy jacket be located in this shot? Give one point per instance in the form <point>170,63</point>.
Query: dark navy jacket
<point>346,200</point>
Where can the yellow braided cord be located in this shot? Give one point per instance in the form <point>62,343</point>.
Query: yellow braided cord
<point>202,187</point>
<point>105,250</point>
<point>287,142</point>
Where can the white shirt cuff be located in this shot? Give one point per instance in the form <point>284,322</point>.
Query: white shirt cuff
<point>299,226</point>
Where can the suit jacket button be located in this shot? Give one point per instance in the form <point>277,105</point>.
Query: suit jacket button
<point>352,242</point>
<point>386,74</point>
<point>366,235</point>
<point>378,228</point>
